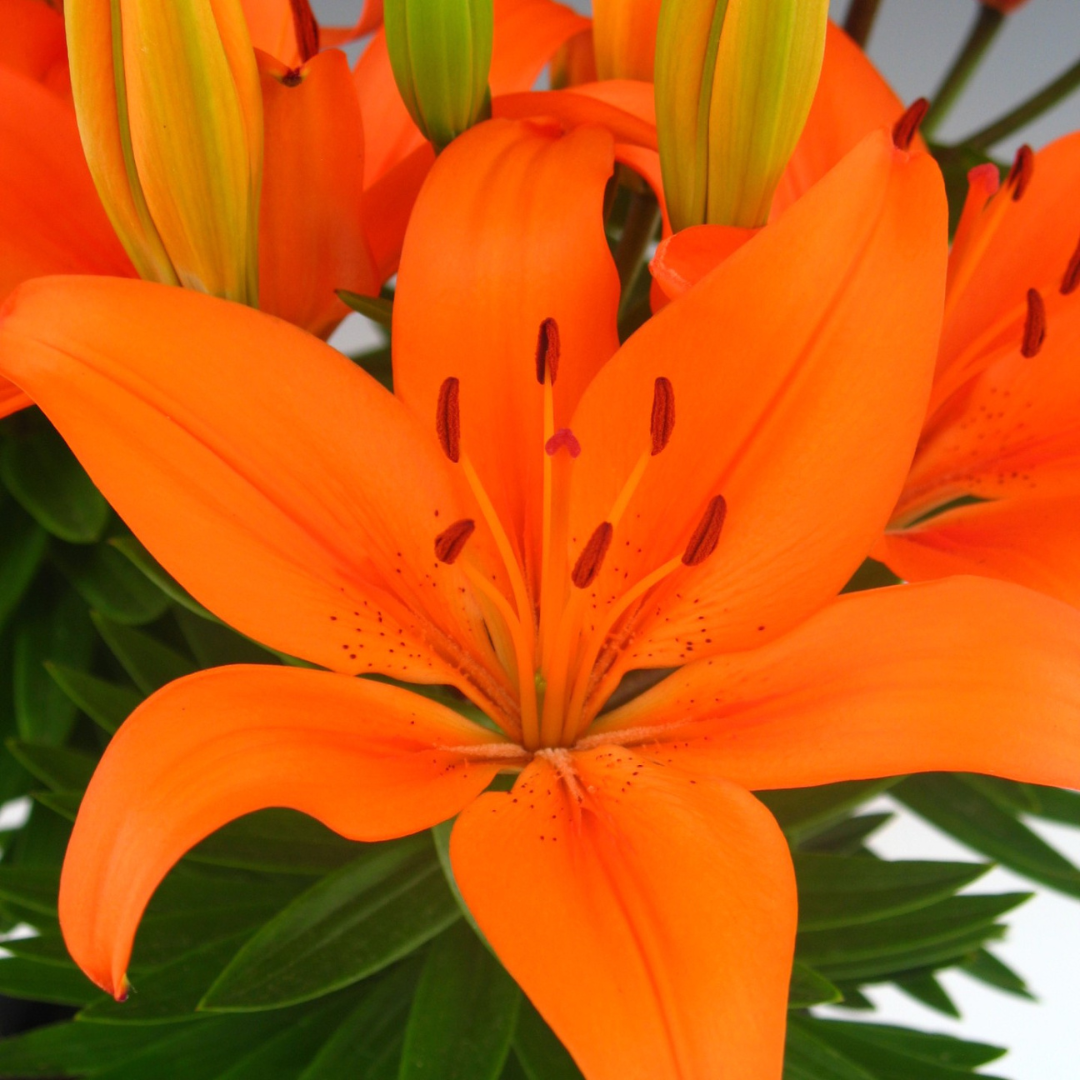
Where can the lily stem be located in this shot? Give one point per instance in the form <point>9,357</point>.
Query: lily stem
<point>639,228</point>
<point>860,20</point>
<point>1023,114</point>
<point>983,31</point>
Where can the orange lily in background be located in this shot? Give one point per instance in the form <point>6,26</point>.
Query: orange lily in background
<point>536,513</point>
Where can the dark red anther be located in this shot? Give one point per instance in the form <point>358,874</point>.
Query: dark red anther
<point>1071,281</point>
<point>707,535</point>
<point>1023,168</point>
<point>663,414</point>
<point>307,29</point>
<point>448,419</point>
<point>563,439</point>
<point>450,543</point>
<point>1034,324</point>
<point>592,557</point>
<point>547,351</point>
<point>292,77</point>
<point>905,129</point>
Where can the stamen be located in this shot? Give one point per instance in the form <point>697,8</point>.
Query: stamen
<point>1023,168</point>
<point>592,556</point>
<point>1071,281</point>
<point>547,352</point>
<point>307,29</point>
<point>903,132</point>
<point>448,419</point>
<point>707,535</point>
<point>450,543</point>
<point>663,414</point>
<point>1034,325</point>
<point>563,439</point>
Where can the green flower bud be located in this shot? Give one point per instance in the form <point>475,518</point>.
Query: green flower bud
<point>440,51</point>
<point>734,83</point>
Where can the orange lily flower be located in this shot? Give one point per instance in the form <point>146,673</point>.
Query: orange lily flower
<point>533,515</point>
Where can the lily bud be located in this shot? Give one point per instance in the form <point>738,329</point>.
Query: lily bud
<point>440,52</point>
<point>169,107</point>
<point>624,38</point>
<point>734,83</point>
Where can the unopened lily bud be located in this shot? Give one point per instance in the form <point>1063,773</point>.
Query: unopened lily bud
<point>440,52</point>
<point>734,83</point>
<point>624,38</point>
<point>170,113</point>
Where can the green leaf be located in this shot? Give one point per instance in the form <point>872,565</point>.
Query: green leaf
<point>845,837</point>
<point>63,984</point>
<point>61,768</point>
<point>803,811</point>
<point>370,1038</point>
<point>377,308</point>
<point>106,703</point>
<point>871,575</point>
<point>44,476</point>
<point>809,988</point>
<point>987,968</point>
<point>147,565</point>
<point>808,1058</point>
<point>835,891</point>
<point>279,841</point>
<point>538,1048</point>
<point>954,805</point>
<point>463,1015</point>
<point>440,837</point>
<point>54,629</point>
<point>354,922</point>
<point>22,548</point>
<point>926,989</point>
<point>149,663</point>
<point>1055,804</point>
<point>1008,794</point>
<point>72,1049</point>
<point>213,644</point>
<point>31,887</point>
<point>108,582</point>
<point>64,803</point>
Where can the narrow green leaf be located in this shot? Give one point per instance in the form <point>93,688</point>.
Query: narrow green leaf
<point>835,891</point>
<point>31,887</point>
<point>538,1049</point>
<point>213,644</point>
<point>109,583</point>
<point>1055,804</point>
<point>463,1015</point>
<point>803,811</point>
<point>64,803</point>
<point>352,923</point>
<point>72,1049</point>
<point>440,837</point>
<point>106,703</point>
<point>40,843</point>
<point>921,1045</point>
<point>809,988</point>
<point>63,984</point>
<point>376,308</point>
<point>22,547</point>
<point>1009,795</point>
<point>809,1058</point>
<point>926,989</point>
<point>44,476</point>
<point>149,663</point>
<point>846,837</point>
<point>871,575</point>
<point>147,565</point>
<point>62,768</point>
<point>954,805</point>
<point>987,968</point>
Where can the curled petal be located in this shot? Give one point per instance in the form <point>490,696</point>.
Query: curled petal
<point>367,760</point>
<point>649,915</point>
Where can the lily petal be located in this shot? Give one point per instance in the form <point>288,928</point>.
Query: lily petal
<point>649,916</point>
<point>961,675</point>
<point>368,760</point>
<point>12,399</point>
<point>251,459</point>
<point>833,310</point>
<point>311,229</point>
<point>33,42</point>
<point>478,318</point>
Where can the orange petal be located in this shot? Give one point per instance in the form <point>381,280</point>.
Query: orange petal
<point>388,205</point>
<point>800,369</point>
<point>962,675</point>
<point>12,399</point>
<point>525,242</point>
<point>368,760</point>
<point>852,100</point>
<point>682,260</point>
<point>649,917</point>
<point>270,24</point>
<point>311,234</point>
<point>51,220</point>
<point>33,42</point>
<point>278,482</point>
<point>1030,540</point>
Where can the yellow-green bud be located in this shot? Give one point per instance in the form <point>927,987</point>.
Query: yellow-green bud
<point>169,106</point>
<point>440,51</point>
<point>734,83</point>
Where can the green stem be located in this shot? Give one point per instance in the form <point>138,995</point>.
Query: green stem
<point>638,229</point>
<point>1023,114</point>
<point>860,20</point>
<point>987,24</point>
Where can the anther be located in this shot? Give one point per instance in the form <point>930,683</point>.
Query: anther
<point>547,351</point>
<point>904,130</point>
<point>1034,325</point>
<point>1023,168</point>
<point>450,543</point>
<point>306,28</point>
<point>592,557</point>
<point>1071,281</point>
<point>707,535</point>
<point>448,419</point>
<point>563,439</point>
<point>663,414</point>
